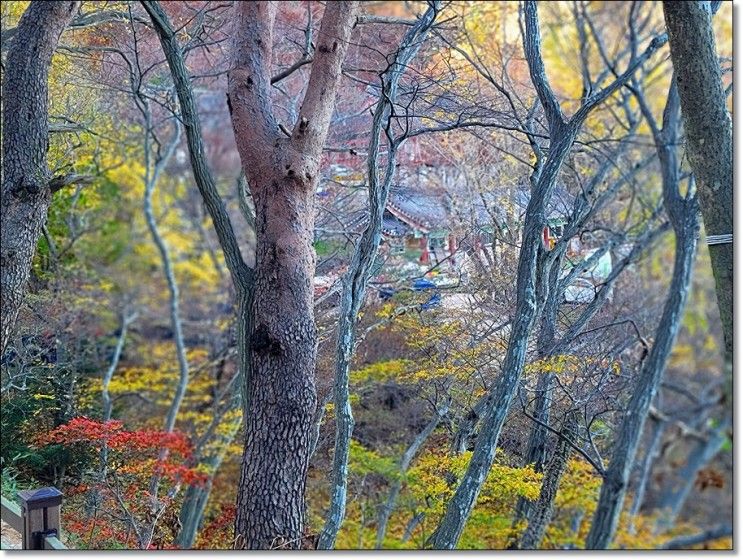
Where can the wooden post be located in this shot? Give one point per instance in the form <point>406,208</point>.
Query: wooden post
<point>424,246</point>
<point>41,511</point>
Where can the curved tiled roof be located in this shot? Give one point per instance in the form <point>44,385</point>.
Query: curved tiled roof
<point>423,210</point>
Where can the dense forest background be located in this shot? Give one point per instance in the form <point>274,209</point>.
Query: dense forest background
<point>396,275</point>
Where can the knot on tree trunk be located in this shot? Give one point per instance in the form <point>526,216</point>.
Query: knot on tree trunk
<point>28,187</point>
<point>262,342</point>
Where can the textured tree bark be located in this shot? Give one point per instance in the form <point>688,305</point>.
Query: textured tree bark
<point>541,511</point>
<point>709,139</point>
<point>683,213</point>
<point>26,194</point>
<point>467,424</point>
<point>282,174</point>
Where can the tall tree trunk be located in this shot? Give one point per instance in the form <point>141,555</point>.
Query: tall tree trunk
<point>709,141</point>
<point>540,514</point>
<point>463,501</point>
<point>536,450</point>
<point>26,192</point>
<point>282,174</point>
<point>584,207</point>
<point>614,487</point>
<point>502,392</point>
<point>281,396</point>
<point>362,265</point>
<point>242,276</point>
<point>153,172</point>
<point>683,212</point>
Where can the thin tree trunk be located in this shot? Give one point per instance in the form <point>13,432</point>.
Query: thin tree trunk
<point>26,192</point>
<point>192,512</point>
<point>683,213</point>
<point>282,174</point>
<point>561,140</point>
<point>411,526</point>
<point>361,269</point>
<point>389,506</point>
<point>241,275</point>
<point>461,504</point>
<point>646,468</point>
<point>709,137</point>
<point>197,496</point>
<point>673,498</point>
<point>536,451</point>
<point>152,175</point>
<point>126,320</point>
<point>541,512</point>
<point>151,179</point>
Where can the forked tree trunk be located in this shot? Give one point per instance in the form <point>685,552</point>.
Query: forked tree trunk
<point>459,508</point>
<point>282,174</point>
<point>26,193</point>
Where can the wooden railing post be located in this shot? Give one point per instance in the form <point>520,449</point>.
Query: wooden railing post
<point>41,511</point>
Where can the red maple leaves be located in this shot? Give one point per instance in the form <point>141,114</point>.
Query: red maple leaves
<point>139,450</point>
